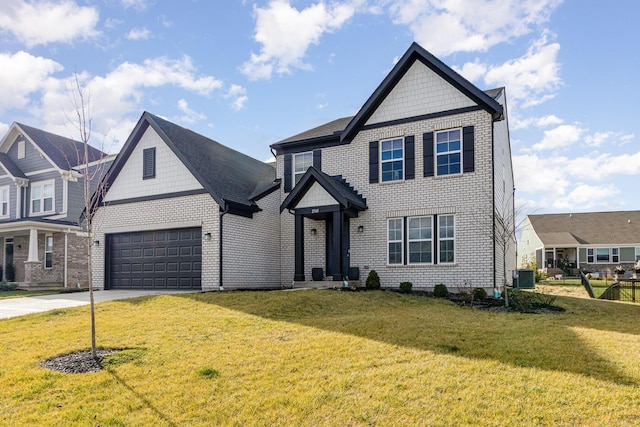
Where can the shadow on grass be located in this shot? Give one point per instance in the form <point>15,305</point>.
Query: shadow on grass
<point>544,341</point>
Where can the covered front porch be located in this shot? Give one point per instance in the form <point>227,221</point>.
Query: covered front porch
<point>322,207</point>
<point>39,255</point>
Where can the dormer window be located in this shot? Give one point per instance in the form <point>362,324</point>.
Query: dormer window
<point>42,197</point>
<point>21,149</point>
<point>149,163</point>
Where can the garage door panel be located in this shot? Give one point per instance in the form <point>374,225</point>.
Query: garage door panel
<point>159,259</point>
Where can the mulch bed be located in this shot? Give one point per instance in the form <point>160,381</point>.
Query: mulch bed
<point>79,362</point>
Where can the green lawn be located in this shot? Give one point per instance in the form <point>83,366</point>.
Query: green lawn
<point>21,294</point>
<point>326,358</point>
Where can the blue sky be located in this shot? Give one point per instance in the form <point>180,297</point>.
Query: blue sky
<point>250,73</point>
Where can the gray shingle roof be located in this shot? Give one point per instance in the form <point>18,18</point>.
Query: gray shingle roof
<point>327,129</point>
<point>11,167</point>
<point>64,152</point>
<point>622,227</point>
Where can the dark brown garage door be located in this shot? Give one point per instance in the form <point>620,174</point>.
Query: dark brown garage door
<point>161,259</point>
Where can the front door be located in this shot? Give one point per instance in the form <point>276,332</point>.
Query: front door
<point>9,271</point>
<point>342,246</point>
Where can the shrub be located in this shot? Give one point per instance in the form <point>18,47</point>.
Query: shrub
<point>440,290</point>
<point>208,373</point>
<point>10,272</point>
<point>479,294</point>
<point>373,280</point>
<point>406,287</point>
<point>8,286</point>
<point>529,301</point>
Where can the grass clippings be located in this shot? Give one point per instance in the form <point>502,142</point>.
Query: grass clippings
<point>326,358</point>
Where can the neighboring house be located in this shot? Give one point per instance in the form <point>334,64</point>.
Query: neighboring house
<point>185,212</point>
<point>418,185</point>
<point>41,201</point>
<point>590,241</point>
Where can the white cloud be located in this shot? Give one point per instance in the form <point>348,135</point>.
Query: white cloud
<point>43,22</point>
<point>239,97</point>
<point>447,26</point>
<point>286,33</point>
<point>546,177</point>
<point>586,196</point>
<point>560,137</point>
<point>544,121</point>
<point>22,74</point>
<point>4,128</point>
<point>139,34</point>
<point>532,78</point>
<point>190,116</point>
<point>472,71</point>
<point>599,138</point>
<point>135,4</point>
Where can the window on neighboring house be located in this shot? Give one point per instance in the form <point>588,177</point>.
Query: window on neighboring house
<point>41,197</point>
<point>602,254</point>
<point>149,163</point>
<point>446,238</point>
<point>4,201</point>
<point>395,240</point>
<point>420,240</point>
<point>449,152</point>
<point>392,159</point>
<point>615,255</point>
<point>590,255</point>
<point>21,149</point>
<point>48,251</point>
<point>301,162</point>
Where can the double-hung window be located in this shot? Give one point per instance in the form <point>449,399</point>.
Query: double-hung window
<point>392,159</point>
<point>301,162</point>
<point>590,255</point>
<point>446,238</point>
<point>41,197</point>
<point>420,240</point>
<point>395,240</point>
<point>4,201</point>
<point>449,152</point>
<point>48,251</point>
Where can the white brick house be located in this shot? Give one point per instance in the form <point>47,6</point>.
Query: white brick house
<point>414,186</point>
<point>427,164</point>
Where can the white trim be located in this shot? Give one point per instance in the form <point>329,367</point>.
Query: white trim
<point>446,153</point>
<point>38,172</point>
<point>293,166</point>
<point>402,160</point>
<point>13,227</point>
<point>8,201</point>
<point>19,202</point>
<point>440,239</point>
<point>105,158</point>
<point>22,149</point>
<point>430,240</point>
<point>41,184</point>
<point>65,195</point>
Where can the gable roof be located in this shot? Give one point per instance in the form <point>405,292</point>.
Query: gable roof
<point>65,153</point>
<point>233,179</point>
<point>344,129</point>
<point>590,228</point>
<point>11,168</point>
<point>337,188</point>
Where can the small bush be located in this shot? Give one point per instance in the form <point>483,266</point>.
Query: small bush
<point>440,290</point>
<point>479,294</point>
<point>8,286</point>
<point>208,373</point>
<point>527,302</point>
<point>406,287</point>
<point>373,280</point>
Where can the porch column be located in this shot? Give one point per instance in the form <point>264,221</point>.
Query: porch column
<point>33,245</point>
<point>336,253</point>
<point>299,249</point>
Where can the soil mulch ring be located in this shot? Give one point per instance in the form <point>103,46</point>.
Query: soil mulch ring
<point>79,362</point>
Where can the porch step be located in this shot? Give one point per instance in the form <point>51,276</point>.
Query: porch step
<point>325,284</point>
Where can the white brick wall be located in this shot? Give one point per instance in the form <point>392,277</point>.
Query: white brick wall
<point>467,196</point>
<point>420,91</point>
<point>171,174</point>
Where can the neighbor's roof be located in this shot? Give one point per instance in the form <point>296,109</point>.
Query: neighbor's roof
<point>64,152</point>
<point>595,228</point>
<point>233,179</point>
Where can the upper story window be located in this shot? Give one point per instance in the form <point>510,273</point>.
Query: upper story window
<point>449,152</point>
<point>42,197</point>
<point>301,162</point>
<point>4,201</point>
<point>149,163</point>
<point>392,159</point>
<point>21,150</point>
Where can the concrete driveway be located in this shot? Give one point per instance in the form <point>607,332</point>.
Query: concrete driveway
<point>12,307</point>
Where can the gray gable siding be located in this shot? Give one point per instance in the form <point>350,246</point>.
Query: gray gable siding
<point>33,160</point>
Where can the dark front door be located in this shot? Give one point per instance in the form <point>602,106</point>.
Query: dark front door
<point>337,243</point>
<point>159,259</point>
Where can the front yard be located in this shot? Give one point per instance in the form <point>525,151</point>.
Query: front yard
<point>325,358</point>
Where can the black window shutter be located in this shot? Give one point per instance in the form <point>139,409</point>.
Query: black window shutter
<point>317,159</point>
<point>373,162</point>
<point>287,173</point>
<point>468,157</point>
<point>427,153</point>
<point>149,163</point>
<point>409,157</point>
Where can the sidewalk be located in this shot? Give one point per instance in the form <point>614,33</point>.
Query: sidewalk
<point>12,307</point>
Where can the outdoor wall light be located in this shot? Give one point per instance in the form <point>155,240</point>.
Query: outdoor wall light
<point>314,231</point>
<point>19,246</point>
<point>361,229</point>
<point>207,236</point>
<point>96,243</point>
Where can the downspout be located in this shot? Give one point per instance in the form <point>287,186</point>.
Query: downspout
<point>66,258</point>
<point>226,209</point>
<point>493,205</point>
